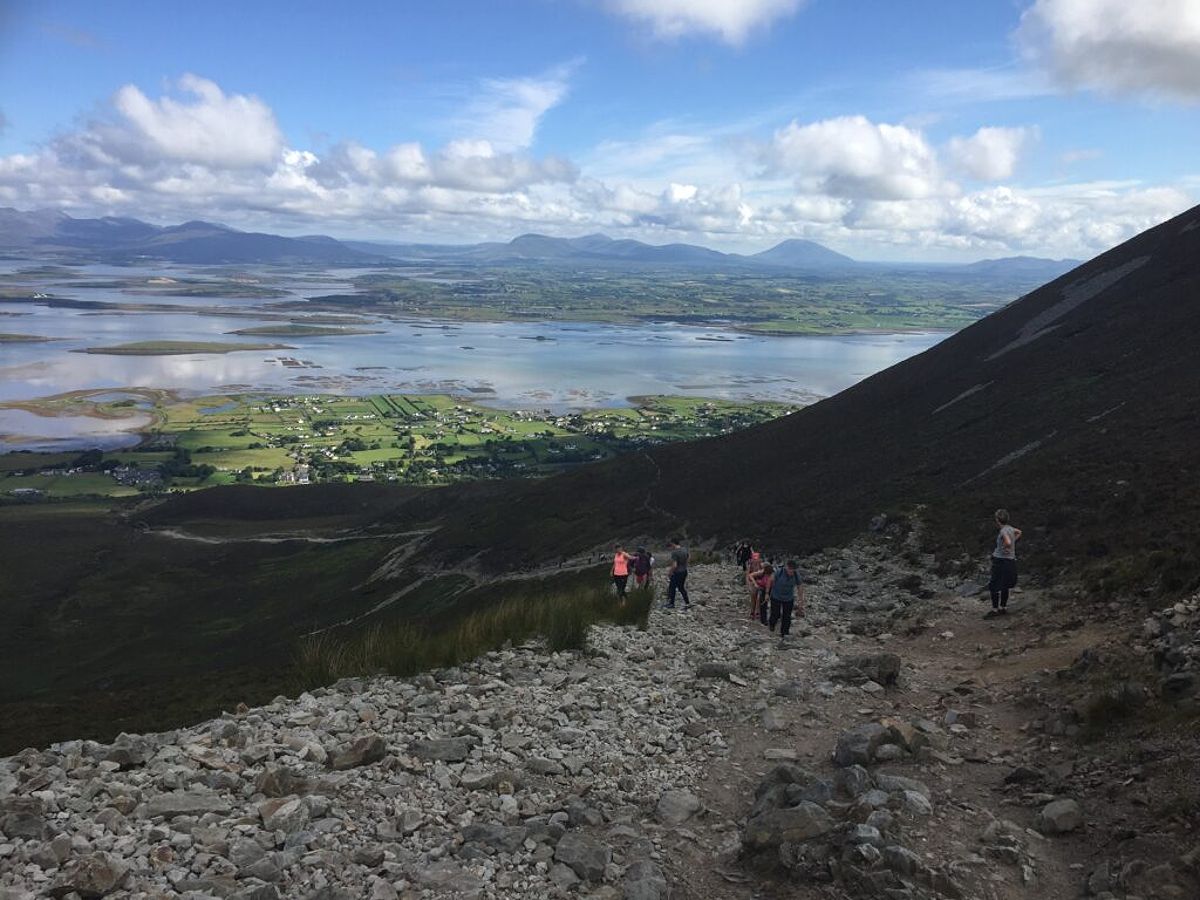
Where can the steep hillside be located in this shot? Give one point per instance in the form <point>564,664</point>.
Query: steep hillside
<point>1078,407</point>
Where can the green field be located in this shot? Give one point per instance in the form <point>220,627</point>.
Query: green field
<point>175,348</point>
<point>410,439</point>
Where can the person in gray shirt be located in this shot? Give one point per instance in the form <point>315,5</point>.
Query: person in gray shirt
<point>1004,564</point>
<point>787,590</point>
<point>677,575</point>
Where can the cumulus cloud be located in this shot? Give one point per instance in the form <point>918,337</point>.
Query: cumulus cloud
<point>209,128</point>
<point>730,20</point>
<point>990,154</point>
<point>850,156</point>
<point>1117,46</point>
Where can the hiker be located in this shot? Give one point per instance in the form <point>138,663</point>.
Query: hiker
<point>757,583</point>
<point>1004,565</point>
<point>677,575</point>
<point>643,565</point>
<point>742,556</point>
<point>620,570</point>
<point>787,597</point>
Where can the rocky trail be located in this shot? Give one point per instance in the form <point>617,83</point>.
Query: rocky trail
<point>896,745</point>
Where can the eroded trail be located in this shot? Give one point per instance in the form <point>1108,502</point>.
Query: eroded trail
<point>627,771</point>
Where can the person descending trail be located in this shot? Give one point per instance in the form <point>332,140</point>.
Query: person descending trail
<point>677,575</point>
<point>1004,565</point>
<point>787,590</point>
<point>744,554</point>
<point>643,565</point>
<point>757,579</point>
<point>620,570</point>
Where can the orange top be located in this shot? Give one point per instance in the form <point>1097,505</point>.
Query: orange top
<point>621,564</point>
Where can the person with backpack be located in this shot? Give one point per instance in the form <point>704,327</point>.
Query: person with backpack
<point>1004,565</point>
<point>620,570</point>
<point>643,565</point>
<point>787,598</point>
<point>677,575</point>
<point>743,554</point>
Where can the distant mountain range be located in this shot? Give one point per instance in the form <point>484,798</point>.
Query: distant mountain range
<point>126,240</point>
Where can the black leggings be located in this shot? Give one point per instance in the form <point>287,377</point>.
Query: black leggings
<point>781,614</point>
<point>1004,577</point>
<point>677,582</point>
<point>621,581</point>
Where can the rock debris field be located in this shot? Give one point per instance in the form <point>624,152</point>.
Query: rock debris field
<point>699,758</point>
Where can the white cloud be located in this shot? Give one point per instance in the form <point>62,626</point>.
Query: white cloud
<point>852,157</point>
<point>229,130</point>
<point>990,154</point>
<point>1117,45</point>
<point>506,112</point>
<point>730,20</point>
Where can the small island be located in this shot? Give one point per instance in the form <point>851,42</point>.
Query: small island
<point>297,330</point>
<point>24,339</point>
<point>177,348</point>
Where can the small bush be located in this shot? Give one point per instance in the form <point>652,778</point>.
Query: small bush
<point>1112,704</point>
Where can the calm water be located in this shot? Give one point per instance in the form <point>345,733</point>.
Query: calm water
<point>518,365</point>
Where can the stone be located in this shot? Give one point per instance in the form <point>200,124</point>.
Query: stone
<point>902,860</point>
<point>917,804</point>
<point>882,668</point>
<point>676,807</point>
<point>888,753</point>
<point>587,857</point>
<point>501,838</point>
<point>857,746</point>
<point>773,827</point>
<point>715,670</point>
<point>887,781</point>
<point>852,781</point>
<point>563,876</point>
<point>97,875</point>
<point>1059,817</point>
<point>361,752</point>
<point>372,856</point>
<point>441,750</point>
<point>644,880</point>
<point>1178,686</point>
<point>184,803</point>
<point>773,721</point>
<point>284,814</point>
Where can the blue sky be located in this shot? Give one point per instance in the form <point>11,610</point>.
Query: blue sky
<point>917,130</point>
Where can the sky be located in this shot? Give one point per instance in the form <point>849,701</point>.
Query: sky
<point>928,130</point>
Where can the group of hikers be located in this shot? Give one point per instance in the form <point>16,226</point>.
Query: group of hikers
<point>641,566</point>
<point>776,593</point>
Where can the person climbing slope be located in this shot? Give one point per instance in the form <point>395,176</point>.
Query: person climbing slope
<point>1004,564</point>
<point>643,565</point>
<point>620,570</point>
<point>755,583</point>
<point>677,575</point>
<point>787,597</point>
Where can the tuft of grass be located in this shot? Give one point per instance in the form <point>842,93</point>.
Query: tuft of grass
<point>561,620</point>
<point>1113,703</point>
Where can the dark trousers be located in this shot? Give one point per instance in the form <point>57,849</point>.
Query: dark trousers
<point>621,581</point>
<point>762,605</point>
<point>781,613</point>
<point>677,582</point>
<point>1004,577</point>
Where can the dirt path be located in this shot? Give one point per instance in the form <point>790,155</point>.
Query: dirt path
<point>977,681</point>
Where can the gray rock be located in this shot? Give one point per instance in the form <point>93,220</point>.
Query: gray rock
<point>372,856</point>
<point>278,781</point>
<point>502,838</point>
<point>917,804</point>
<point>852,781</point>
<point>92,876</point>
<point>864,834</point>
<point>882,668</point>
<point>888,753</point>
<point>256,891</point>
<point>1179,685</point>
<point>889,782</point>
<point>715,670</point>
<point>676,807</point>
<point>773,827</point>
<point>286,815</point>
<point>586,856</point>
<point>1059,817</point>
<point>361,752</point>
<point>857,746</point>
<point>184,803</point>
<point>245,853</point>
<point>644,881</point>
<point>441,749</point>
<point>902,860</point>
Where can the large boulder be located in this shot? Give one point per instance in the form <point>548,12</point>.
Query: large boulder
<point>1059,817</point>
<point>587,857</point>
<point>857,746</point>
<point>97,875</point>
<point>361,752</point>
<point>773,827</point>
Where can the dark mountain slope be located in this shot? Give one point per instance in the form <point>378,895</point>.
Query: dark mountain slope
<point>1077,406</point>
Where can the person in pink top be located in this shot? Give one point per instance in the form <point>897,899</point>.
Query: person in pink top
<point>620,570</point>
